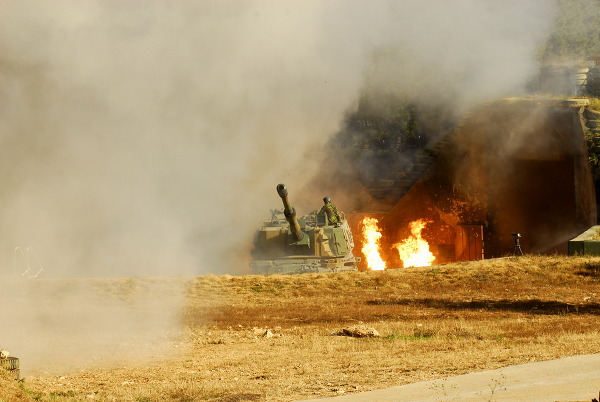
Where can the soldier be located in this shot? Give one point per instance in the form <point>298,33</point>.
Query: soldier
<point>333,218</point>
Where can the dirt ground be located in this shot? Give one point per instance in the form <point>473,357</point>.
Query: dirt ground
<point>278,338</point>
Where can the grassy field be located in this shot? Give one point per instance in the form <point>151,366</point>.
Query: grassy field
<point>274,337</point>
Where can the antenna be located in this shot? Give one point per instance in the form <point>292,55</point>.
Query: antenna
<point>30,256</point>
<point>17,250</point>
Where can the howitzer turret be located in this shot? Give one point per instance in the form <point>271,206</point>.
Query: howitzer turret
<point>287,244</point>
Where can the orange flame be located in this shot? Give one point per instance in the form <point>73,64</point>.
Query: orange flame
<point>414,251</point>
<point>370,248</point>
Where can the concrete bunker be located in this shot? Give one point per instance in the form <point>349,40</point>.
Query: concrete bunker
<point>514,165</point>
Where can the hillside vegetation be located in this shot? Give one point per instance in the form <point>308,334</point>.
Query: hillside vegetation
<point>275,337</point>
<point>576,33</point>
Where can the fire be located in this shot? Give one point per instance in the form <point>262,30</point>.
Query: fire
<point>414,251</point>
<point>370,248</point>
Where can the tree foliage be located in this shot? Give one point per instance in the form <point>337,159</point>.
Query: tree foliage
<point>383,134</point>
<point>576,32</point>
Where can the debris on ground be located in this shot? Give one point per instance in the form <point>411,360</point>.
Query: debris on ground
<point>358,331</point>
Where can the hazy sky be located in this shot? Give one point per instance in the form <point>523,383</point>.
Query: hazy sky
<point>147,138</point>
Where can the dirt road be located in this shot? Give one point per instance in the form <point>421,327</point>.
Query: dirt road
<point>574,378</point>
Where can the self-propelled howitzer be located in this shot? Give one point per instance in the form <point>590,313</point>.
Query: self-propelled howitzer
<point>289,245</point>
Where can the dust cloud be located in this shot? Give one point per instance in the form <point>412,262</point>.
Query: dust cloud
<point>58,325</point>
<point>147,138</point>
<point>143,140</point>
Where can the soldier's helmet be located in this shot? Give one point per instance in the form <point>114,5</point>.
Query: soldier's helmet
<point>326,199</point>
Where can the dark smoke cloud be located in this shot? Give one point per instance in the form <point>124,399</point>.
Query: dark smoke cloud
<point>147,138</point>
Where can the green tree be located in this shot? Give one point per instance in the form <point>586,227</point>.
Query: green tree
<point>576,32</point>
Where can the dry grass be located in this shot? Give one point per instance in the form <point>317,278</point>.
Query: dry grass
<point>595,236</point>
<point>434,322</point>
<point>595,104</point>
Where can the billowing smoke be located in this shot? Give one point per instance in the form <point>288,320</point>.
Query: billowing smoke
<point>460,52</point>
<point>144,139</point>
<point>147,138</point>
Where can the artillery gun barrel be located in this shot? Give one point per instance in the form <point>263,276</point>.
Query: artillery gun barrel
<point>290,213</point>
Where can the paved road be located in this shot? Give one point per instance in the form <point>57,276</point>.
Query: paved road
<point>574,378</point>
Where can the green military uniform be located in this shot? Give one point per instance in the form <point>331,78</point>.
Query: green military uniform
<point>333,217</point>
